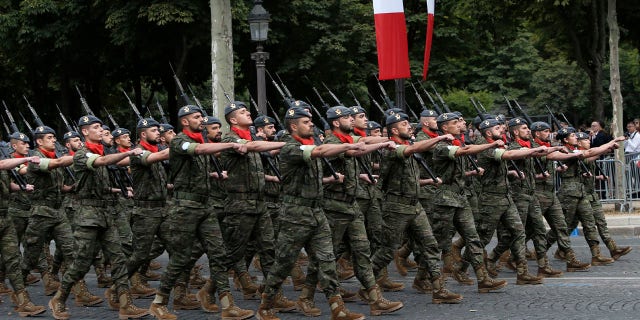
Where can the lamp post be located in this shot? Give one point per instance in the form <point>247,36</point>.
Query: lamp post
<point>259,24</point>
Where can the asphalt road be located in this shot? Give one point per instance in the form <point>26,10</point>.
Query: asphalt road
<point>608,292</point>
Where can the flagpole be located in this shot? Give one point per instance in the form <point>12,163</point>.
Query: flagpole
<point>400,94</point>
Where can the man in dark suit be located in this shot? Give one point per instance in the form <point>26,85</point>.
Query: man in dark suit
<point>597,134</point>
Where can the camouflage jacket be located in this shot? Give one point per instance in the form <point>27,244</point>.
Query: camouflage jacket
<point>426,191</point>
<point>399,181</point>
<point>451,170</point>
<point>245,171</point>
<point>494,180</point>
<point>92,182</point>
<point>301,174</point>
<point>526,185</point>
<point>189,171</point>
<point>47,182</point>
<point>572,180</point>
<point>149,179</point>
<point>5,189</point>
<point>339,196</point>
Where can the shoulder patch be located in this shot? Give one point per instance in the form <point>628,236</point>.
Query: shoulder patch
<point>89,154</point>
<point>185,146</point>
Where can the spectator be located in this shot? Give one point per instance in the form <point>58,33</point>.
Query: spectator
<point>632,145</point>
<point>598,135</point>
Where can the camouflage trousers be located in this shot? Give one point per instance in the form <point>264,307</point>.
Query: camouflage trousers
<point>577,209</point>
<point>598,215</point>
<point>10,251</point>
<point>123,222</point>
<point>187,223</point>
<point>239,229</point>
<point>20,219</point>
<point>370,209</point>
<point>315,237</point>
<point>252,250</point>
<point>95,228</point>
<point>348,227</point>
<point>446,220</point>
<point>552,212</point>
<point>531,217</point>
<point>500,209</point>
<point>413,221</point>
<point>46,223</point>
<point>145,225</point>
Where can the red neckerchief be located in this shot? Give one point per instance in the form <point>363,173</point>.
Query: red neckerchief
<point>398,141</point>
<point>359,132</point>
<point>570,147</point>
<point>461,138</point>
<point>48,154</point>
<point>71,152</point>
<point>123,150</point>
<point>243,134</point>
<point>345,138</point>
<point>489,140</point>
<point>429,132</point>
<point>306,142</point>
<point>196,136</point>
<point>581,148</point>
<point>148,146</point>
<point>524,143</point>
<point>456,142</point>
<point>543,143</point>
<point>18,156</point>
<point>97,148</point>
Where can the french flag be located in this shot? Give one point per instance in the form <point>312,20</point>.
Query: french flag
<point>391,39</point>
<point>427,49</point>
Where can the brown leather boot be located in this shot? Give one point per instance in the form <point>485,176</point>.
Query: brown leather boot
<point>523,275</point>
<point>31,279</point>
<point>248,287</point>
<point>298,277</point>
<point>112,298</point>
<point>491,267</point>
<point>615,251</point>
<point>282,304</point>
<point>386,284</point>
<point>303,259</point>
<point>441,294</point>
<point>486,283</point>
<point>456,249</point>
<point>461,276</point>
<point>207,298</point>
<point>4,289</point>
<point>104,281</point>
<point>127,309</point>
<point>340,312</point>
<point>180,299</point>
<point>58,307</point>
<point>530,254</point>
<point>50,284</point>
<point>573,264</point>
<point>154,265</point>
<point>305,302</point>
<point>545,270</point>
<point>256,263</point>
<point>84,298</point>
<point>196,280</point>
<point>151,276</point>
<point>347,296</point>
<point>379,305</point>
<point>398,258</point>
<point>421,282</point>
<point>343,269</point>
<point>597,259</point>
<point>24,306</point>
<point>559,254</point>
<point>266,310</point>
<point>159,309</point>
<point>230,311</point>
<point>447,264</point>
<point>138,289</point>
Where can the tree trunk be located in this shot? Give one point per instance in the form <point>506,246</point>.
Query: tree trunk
<point>221,57</point>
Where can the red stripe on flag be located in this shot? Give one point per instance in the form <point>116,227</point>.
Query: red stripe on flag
<point>427,49</point>
<point>391,39</point>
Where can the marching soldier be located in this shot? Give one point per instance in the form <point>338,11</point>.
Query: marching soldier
<point>95,226</point>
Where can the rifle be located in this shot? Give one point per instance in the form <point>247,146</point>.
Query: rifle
<point>387,100</point>
<point>6,127</point>
<point>287,99</point>
<point>113,122</point>
<point>326,162</point>
<point>424,107</point>
<point>376,103</point>
<point>529,122</point>
<point>482,117</point>
<point>194,97</point>
<point>163,118</point>
<point>581,162</point>
<point>84,103</point>
<point>355,99</point>
<point>411,110</point>
<point>5,153</point>
<point>436,107</point>
<point>275,115</point>
<point>12,122</point>
<point>335,98</point>
<point>132,105</point>
<point>183,95</point>
<point>444,105</point>
<point>284,86</point>
<point>65,121</point>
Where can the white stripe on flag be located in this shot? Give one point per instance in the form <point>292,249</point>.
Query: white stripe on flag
<point>387,6</point>
<point>431,5</point>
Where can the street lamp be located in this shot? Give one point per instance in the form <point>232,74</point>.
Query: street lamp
<point>259,24</point>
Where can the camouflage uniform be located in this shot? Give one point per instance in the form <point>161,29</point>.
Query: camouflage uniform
<point>303,222</point>
<point>246,216</point>
<point>368,197</point>
<point>9,246</point>
<point>594,201</point>
<point>124,205</point>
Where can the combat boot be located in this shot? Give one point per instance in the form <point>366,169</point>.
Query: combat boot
<point>154,265</point>
<point>507,260</point>
<point>57,306</point>
<point>441,294</point>
<point>447,264</point>
<point>461,276</point>
<point>303,259</point>
<point>151,276</point>
<point>230,311</point>
<point>50,283</point>
<point>180,299</point>
<point>127,309</point>
<point>421,282</point>
<point>343,269</point>
<point>256,263</point>
<point>545,270</point>
<point>398,258</point>
<point>559,254</point>
<point>456,249</point>
<point>281,303</point>
<point>615,251</point>
<point>24,306</point>
<point>138,289</point>
<point>298,277</point>
<point>386,284</point>
<point>104,281</point>
<point>305,302</point>
<point>523,276</point>
<point>597,259</point>
<point>530,254</point>
<point>347,296</point>
<point>379,305</point>
<point>266,310</point>
<point>490,264</point>
<point>340,312</point>
<point>112,298</point>
<point>83,297</point>
<point>31,279</point>
<point>486,283</point>
<point>206,297</point>
<point>4,289</point>
<point>248,287</point>
<point>159,310</point>
<point>196,280</point>
<point>573,264</point>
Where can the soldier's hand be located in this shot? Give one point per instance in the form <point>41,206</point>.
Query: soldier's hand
<point>480,171</point>
<point>129,194</point>
<point>216,176</point>
<point>169,186</point>
<point>332,179</point>
<point>29,187</point>
<point>562,168</point>
<point>587,175</point>
<point>365,177</point>
<point>34,159</point>
<point>136,152</point>
<point>240,148</point>
<point>360,146</point>
<point>619,139</point>
<point>390,145</point>
<point>448,137</point>
<point>602,177</point>
<point>499,143</point>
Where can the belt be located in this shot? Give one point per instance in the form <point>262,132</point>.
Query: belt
<point>52,204</point>
<point>179,195</point>
<point>544,187</point>
<point>20,205</point>
<point>452,187</point>
<point>98,203</point>
<point>244,196</point>
<point>339,196</point>
<point>302,201</point>
<point>273,199</point>
<point>412,201</point>
<point>149,203</point>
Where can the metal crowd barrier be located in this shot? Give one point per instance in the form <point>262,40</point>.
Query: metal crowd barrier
<point>607,188</point>
<point>632,173</point>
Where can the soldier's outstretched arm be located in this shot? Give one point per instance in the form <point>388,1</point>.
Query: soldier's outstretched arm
<point>330,150</point>
<point>522,153</point>
<point>7,164</point>
<point>368,148</point>
<point>115,158</point>
<point>372,139</point>
<point>211,148</point>
<point>477,148</point>
<point>260,146</point>
<point>561,156</point>
<point>595,152</point>
<point>64,161</point>
<point>424,145</point>
<point>158,156</point>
